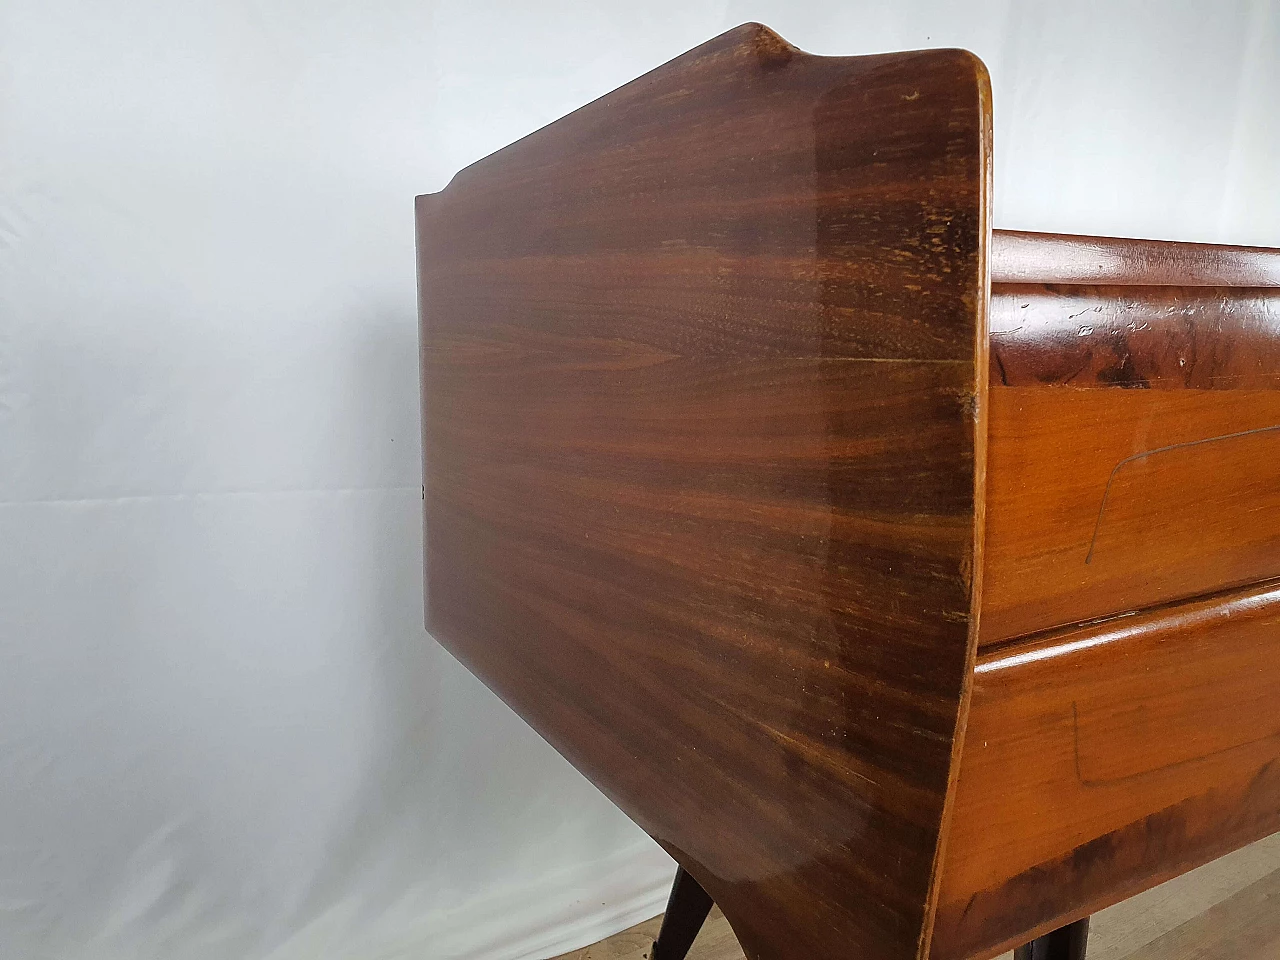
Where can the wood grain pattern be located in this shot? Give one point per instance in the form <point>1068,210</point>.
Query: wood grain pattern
<point>1205,338</point>
<point>1102,760</point>
<point>1088,502</point>
<point>703,366</point>
<point>1019,256</point>
<point>706,425</point>
<point>1106,501</point>
<point>1225,909</point>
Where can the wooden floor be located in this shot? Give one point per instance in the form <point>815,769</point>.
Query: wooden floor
<point>1227,910</point>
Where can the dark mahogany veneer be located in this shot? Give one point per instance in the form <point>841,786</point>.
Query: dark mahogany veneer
<point>914,585</point>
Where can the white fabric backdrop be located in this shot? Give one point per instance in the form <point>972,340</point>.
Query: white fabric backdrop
<point>223,731</point>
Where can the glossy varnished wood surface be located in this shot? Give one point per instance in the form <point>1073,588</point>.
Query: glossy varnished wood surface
<point>1140,337</point>
<point>1134,466</point>
<point>1222,911</point>
<point>1019,256</point>
<point>1104,501</point>
<point>1102,760</point>
<point>702,430</point>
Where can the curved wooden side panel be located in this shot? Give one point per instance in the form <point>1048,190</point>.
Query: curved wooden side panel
<point>1101,761</point>
<point>704,366</point>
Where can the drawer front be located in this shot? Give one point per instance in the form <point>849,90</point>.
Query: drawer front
<point>1103,501</point>
<point>1101,761</point>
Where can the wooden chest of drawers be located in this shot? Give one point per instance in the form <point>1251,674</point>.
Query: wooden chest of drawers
<point>914,584</point>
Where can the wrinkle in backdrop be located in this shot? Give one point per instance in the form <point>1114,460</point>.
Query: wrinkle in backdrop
<point>223,731</point>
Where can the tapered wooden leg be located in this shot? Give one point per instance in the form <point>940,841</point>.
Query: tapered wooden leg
<point>1065,943</point>
<point>687,909</point>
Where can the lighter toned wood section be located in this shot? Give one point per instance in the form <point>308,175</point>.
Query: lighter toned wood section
<point>1226,910</point>
<point>1106,501</point>
<point>1102,760</point>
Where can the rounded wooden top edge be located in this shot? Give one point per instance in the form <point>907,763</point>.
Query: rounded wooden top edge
<point>770,47</point>
<point>1162,617</point>
<point>1024,256</point>
<point>1047,235</point>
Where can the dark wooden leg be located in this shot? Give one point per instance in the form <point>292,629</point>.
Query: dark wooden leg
<point>1065,943</point>
<point>687,909</point>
